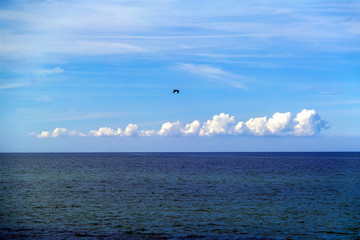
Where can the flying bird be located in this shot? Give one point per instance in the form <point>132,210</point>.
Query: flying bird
<point>175,91</point>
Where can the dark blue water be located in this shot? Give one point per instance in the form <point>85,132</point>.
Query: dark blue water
<point>180,196</point>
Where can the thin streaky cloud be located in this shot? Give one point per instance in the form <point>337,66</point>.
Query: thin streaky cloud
<point>74,116</point>
<point>213,73</point>
<point>216,55</point>
<point>56,70</point>
<point>37,46</point>
<point>14,85</point>
<point>83,23</point>
<point>178,36</point>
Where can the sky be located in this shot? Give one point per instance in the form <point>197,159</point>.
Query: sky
<point>98,76</point>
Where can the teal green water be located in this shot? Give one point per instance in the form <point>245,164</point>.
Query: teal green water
<point>180,196</point>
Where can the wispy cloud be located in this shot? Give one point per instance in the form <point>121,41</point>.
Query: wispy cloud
<point>305,123</point>
<point>40,115</point>
<point>14,85</point>
<point>214,74</point>
<point>56,70</point>
<point>108,27</point>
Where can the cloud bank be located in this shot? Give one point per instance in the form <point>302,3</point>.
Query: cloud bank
<point>304,123</point>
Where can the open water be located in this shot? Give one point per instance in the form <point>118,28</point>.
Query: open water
<point>180,196</point>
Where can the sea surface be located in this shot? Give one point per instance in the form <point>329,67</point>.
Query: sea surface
<point>180,196</point>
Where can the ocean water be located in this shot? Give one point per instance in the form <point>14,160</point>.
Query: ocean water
<point>180,196</point>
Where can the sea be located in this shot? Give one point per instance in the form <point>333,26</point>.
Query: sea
<point>180,195</point>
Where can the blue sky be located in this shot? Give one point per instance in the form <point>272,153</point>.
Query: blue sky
<point>253,75</point>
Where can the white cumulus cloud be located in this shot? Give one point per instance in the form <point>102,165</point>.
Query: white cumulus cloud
<point>279,123</point>
<point>59,132</point>
<point>220,124</point>
<point>308,123</point>
<point>240,128</point>
<point>257,126</point>
<point>170,129</point>
<point>44,134</point>
<point>191,129</point>
<point>131,130</point>
<point>105,131</point>
<point>147,133</point>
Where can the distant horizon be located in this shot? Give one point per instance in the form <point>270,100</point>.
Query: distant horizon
<point>189,152</point>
